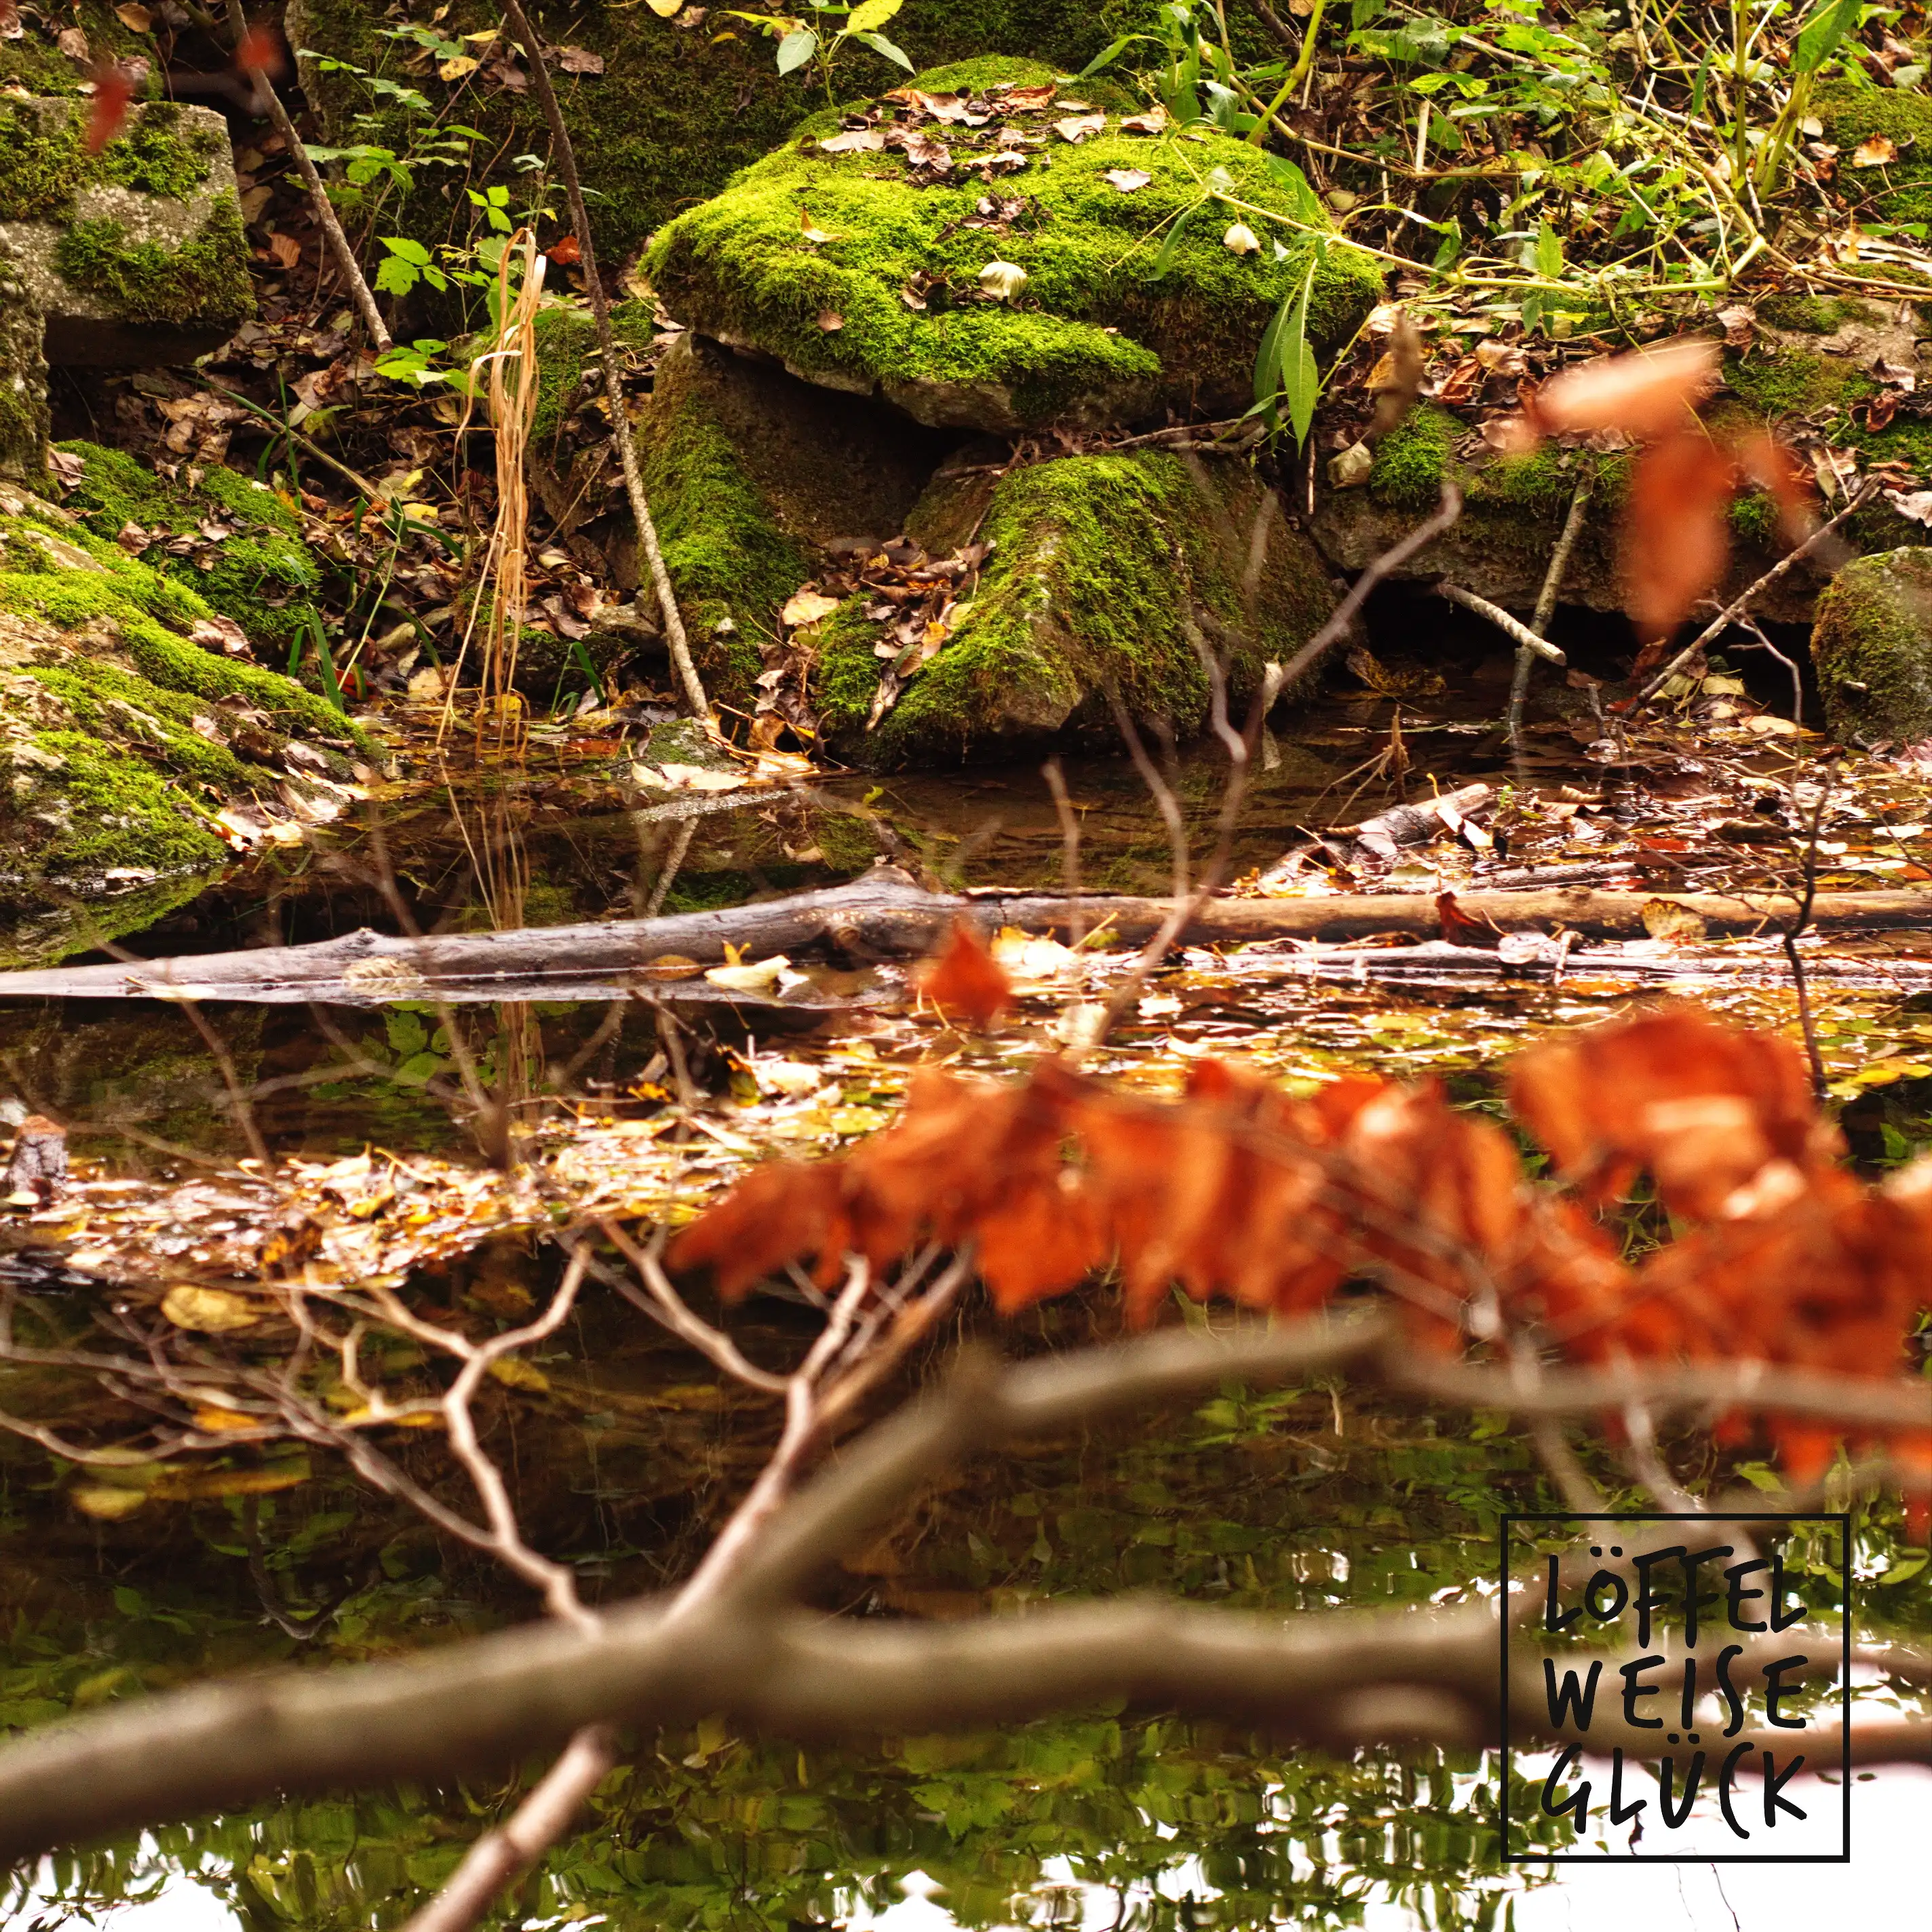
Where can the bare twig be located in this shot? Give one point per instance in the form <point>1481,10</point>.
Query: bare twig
<point>1743,602</point>
<point>269,103</point>
<point>1336,628</point>
<point>1793,928</point>
<point>1546,601</point>
<point>1528,643</point>
<point>679,644</point>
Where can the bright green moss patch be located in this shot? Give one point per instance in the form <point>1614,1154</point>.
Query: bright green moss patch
<point>120,813</point>
<point>1808,314</point>
<point>44,162</point>
<point>1099,566</point>
<point>264,576</point>
<point>1092,334</point>
<point>1872,646</point>
<point>205,280</point>
<point>1794,383</point>
<point>1901,191</point>
<point>1413,457</point>
<point>34,62</point>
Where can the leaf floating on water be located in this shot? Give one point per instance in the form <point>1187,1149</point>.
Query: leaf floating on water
<point>208,1311</point>
<point>105,1502</point>
<point>1666,920</point>
<point>761,976</point>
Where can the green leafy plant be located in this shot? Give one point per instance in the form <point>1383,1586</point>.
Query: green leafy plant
<point>825,34</point>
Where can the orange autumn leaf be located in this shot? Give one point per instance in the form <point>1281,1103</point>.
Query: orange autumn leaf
<point>1675,539</point>
<point>1647,394</point>
<point>113,93</point>
<point>965,979</point>
<point>564,251</point>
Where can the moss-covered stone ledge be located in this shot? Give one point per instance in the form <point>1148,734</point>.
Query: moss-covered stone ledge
<point>1100,568</point>
<point>862,271</point>
<point>263,575</point>
<point>135,256</point>
<point>121,736</point>
<point>1872,646</point>
<point>749,473</point>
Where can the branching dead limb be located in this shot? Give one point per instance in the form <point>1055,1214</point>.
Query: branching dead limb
<point>689,684</point>
<point>1334,1678</point>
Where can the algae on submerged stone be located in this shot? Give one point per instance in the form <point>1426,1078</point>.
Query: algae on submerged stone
<point>843,265</point>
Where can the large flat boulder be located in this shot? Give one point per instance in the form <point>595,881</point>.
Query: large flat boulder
<point>986,249</point>
<point>134,256</point>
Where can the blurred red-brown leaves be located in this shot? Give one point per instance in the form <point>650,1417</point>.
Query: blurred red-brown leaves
<point>1650,394</point>
<point>963,978</point>
<point>1676,540</point>
<point>1242,1191</point>
<point>1675,545</point>
<point>113,93</point>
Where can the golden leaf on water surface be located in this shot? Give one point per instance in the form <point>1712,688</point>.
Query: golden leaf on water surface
<point>209,1311</point>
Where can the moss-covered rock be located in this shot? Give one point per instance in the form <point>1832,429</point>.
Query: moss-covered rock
<point>862,271</point>
<point>1102,569</point>
<point>262,575</point>
<point>1901,190</point>
<point>749,473</point>
<point>135,256</point>
<point>34,63</point>
<point>23,379</point>
<point>681,105</point>
<point>1872,646</point>
<point>120,734</point>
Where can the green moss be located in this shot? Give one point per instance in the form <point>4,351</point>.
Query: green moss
<point>1808,314</point>
<point>731,563</point>
<point>1091,322</point>
<point>1872,646</point>
<point>566,339</point>
<point>264,576</point>
<point>44,162</point>
<point>36,64</point>
<point>205,280</point>
<point>1901,191</point>
<point>1412,460</point>
<point>141,605</point>
<point>123,813</point>
<point>1794,383</point>
<point>1098,566</point>
<point>679,107</point>
<point>111,704</point>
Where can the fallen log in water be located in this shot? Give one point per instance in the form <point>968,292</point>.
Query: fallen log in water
<point>884,915</point>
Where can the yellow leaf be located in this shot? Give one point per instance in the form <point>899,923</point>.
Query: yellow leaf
<point>135,19</point>
<point>456,66</point>
<point>212,1311</point>
<point>105,1503</point>
<point>212,1416</point>
<point>664,9</point>
<point>1666,920</point>
<point>870,15</point>
<point>182,1486</point>
<point>515,1372</point>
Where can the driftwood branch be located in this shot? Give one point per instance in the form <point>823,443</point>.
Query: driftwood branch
<point>1335,1678</point>
<point>884,915</point>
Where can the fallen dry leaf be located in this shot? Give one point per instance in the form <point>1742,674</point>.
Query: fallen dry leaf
<point>1675,538</point>
<point>963,979</point>
<point>1648,393</point>
<point>1076,128</point>
<point>807,607</point>
<point>1875,150</point>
